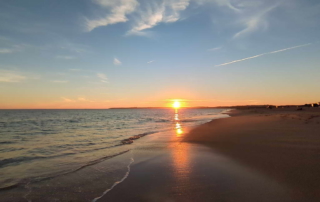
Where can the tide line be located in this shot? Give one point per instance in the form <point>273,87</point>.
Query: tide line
<point>116,183</point>
<point>29,192</point>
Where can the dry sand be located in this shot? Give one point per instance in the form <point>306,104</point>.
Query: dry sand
<point>284,144</point>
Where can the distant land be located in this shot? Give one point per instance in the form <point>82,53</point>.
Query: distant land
<point>218,107</point>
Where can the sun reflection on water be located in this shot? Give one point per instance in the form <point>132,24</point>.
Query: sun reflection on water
<point>180,158</point>
<point>178,126</point>
<point>176,116</point>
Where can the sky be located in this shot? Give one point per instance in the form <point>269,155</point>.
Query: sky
<point>92,54</point>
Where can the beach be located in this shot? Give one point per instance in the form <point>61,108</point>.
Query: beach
<point>253,155</point>
<point>283,144</point>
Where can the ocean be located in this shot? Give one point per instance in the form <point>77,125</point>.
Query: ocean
<point>36,145</point>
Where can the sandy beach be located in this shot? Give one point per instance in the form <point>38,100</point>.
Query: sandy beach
<point>284,144</point>
<point>255,155</point>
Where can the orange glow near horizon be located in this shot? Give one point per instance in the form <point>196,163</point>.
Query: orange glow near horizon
<point>166,99</point>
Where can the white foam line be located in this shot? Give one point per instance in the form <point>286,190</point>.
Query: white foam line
<point>27,187</point>
<point>116,183</point>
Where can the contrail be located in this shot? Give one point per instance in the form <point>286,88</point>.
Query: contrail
<point>256,56</point>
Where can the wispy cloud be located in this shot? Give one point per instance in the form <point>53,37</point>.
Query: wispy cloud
<point>59,81</point>
<point>144,17</point>
<point>12,48</point>
<point>263,54</point>
<point>249,16</point>
<point>119,9</point>
<point>214,49</point>
<point>82,99</point>
<point>79,99</point>
<point>67,99</point>
<point>116,61</point>
<point>223,3</point>
<point>254,21</point>
<point>150,61</point>
<point>158,12</point>
<point>65,57</point>
<point>6,50</point>
<point>103,77</point>
<point>11,76</point>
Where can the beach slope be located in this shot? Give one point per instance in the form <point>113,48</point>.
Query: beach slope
<point>283,144</point>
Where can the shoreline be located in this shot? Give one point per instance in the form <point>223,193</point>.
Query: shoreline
<point>216,161</point>
<point>283,144</point>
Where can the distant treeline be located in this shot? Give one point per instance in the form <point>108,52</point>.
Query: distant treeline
<point>273,106</point>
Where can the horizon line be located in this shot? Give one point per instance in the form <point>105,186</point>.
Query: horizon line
<point>229,106</point>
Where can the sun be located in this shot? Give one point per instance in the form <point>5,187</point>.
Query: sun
<point>176,104</point>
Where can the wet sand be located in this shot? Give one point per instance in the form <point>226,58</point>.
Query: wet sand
<point>181,171</point>
<point>187,172</point>
<point>283,144</point>
<point>163,168</point>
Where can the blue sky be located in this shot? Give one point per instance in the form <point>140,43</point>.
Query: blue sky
<point>113,53</point>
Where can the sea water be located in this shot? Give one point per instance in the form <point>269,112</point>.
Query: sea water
<point>42,144</point>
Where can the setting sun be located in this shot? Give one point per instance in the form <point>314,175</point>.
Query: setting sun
<point>176,104</point>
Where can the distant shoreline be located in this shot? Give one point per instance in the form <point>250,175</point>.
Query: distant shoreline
<point>196,107</point>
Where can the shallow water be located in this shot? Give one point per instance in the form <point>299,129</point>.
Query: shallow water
<point>41,144</point>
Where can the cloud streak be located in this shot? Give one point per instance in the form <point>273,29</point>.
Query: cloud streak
<point>12,49</point>
<point>116,61</point>
<point>7,76</point>
<point>156,13</point>
<point>214,49</point>
<point>119,9</point>
<point>6,50</point>
<point>103,77</point>
<point>254,22</point>
<point>67,99</point>
<point>145,16</point>
<point>248,16</point>
<point>263,54</point>
<point>65,57</point>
